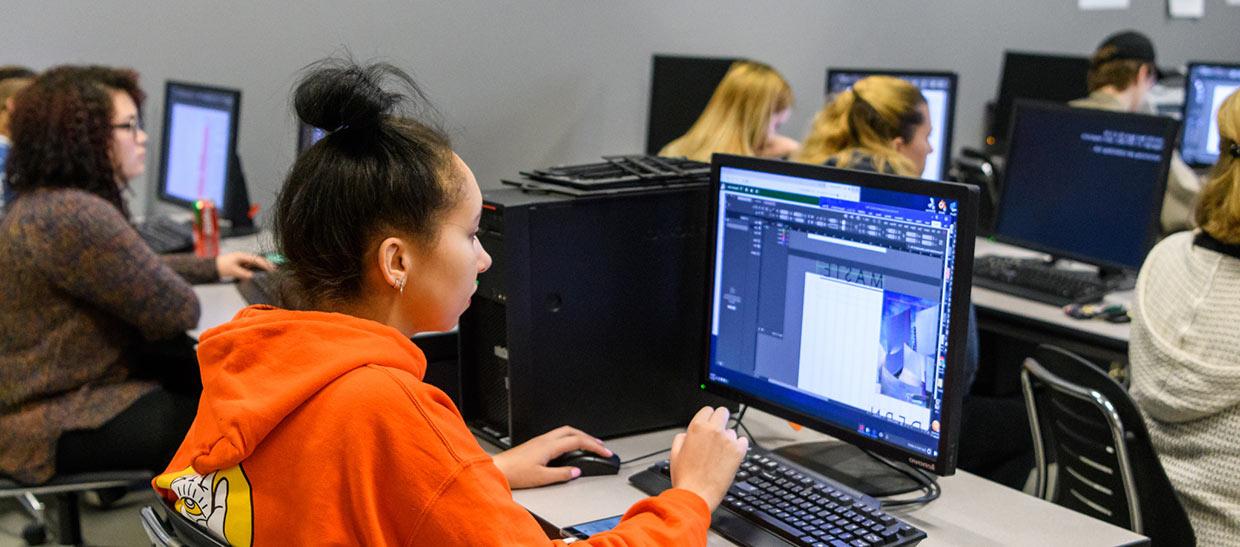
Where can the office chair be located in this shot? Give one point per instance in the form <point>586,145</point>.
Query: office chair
<point>174,530</point>
<point>981,170</point>
<point>65,488</point>
<point>1085,424</point>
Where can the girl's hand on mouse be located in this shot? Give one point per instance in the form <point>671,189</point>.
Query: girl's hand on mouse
<point>241,266</point>
<point>705,458</point>
<point>525,465</point>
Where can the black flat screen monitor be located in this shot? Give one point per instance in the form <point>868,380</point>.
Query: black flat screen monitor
<point>939,89</point>
<point>307,135</point>
<point>1085,184</point>
<point>680,87</point>
<point>1205,88</point>
<point>839,300</point>
<point>198,152</point>
<point>1037,76</point>
<point>199,143</point>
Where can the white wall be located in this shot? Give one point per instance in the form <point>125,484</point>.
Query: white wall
<point>531,83</point>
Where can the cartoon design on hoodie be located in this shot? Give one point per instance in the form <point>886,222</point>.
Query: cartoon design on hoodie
<point>218,501</point>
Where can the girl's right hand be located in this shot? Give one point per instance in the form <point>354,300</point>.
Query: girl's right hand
<point>706,456</point>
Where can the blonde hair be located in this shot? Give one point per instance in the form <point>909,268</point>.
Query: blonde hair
<point>865,118</point>
<point>1218,209</point>
<point>738,116</point>
<point>8,88</point>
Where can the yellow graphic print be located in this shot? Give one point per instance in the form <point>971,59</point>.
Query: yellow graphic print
<point>218,501</point>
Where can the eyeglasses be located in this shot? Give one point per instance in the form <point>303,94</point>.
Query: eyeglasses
<point>132,125</point>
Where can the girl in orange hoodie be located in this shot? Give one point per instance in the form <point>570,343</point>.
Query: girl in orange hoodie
<point>315,426</point>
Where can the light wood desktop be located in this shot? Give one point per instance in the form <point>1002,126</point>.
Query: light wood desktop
<point>970,511</point>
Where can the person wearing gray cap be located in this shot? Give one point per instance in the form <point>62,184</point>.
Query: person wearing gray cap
<point>1121,73</point>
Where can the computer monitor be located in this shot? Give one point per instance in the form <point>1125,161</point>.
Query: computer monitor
<point>939,89</point>
<point>308,135</point>
<point>680,87</point>
<point>1205,88</point>
<point>1085,184</point>
<point>198,152</point>
<point>839,301</point>
<point>1037,76</point>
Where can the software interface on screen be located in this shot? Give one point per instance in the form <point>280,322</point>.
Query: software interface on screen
<point>1207,86</point>
<point>1084,183</point>
<point>832,299</point>
<point>199,143</point>
<point>937,90</point>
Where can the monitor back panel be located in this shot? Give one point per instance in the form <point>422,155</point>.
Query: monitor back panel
<point>680,87</point>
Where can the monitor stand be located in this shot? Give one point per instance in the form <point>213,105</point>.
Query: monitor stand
<point>237,203</point>
<point>849,465</point>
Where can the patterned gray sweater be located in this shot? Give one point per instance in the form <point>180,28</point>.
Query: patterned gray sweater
<point>80,289</point>
<point>1185,354</point>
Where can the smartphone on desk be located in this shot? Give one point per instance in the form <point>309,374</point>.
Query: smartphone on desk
<point>587,529</point>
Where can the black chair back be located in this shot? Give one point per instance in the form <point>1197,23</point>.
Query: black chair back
<point>1085,424</point>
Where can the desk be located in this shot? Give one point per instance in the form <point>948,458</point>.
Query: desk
<point>1036,323</point>
<point>971,510</point>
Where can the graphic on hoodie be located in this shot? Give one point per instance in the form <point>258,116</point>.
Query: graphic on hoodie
<point>219,501</point>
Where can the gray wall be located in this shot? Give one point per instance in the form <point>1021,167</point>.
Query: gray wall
<point>532,83</point>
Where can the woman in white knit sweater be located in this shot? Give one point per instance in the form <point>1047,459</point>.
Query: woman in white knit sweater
<point>1185,348</point>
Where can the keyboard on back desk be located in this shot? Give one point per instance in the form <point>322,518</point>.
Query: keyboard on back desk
<point>1037,280</point>
<point>165,235</point>
<point>774,502</point>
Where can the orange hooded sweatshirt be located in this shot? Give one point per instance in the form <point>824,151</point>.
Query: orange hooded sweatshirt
<point>316,428</point>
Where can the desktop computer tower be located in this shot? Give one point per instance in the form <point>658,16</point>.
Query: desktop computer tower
<point>592,314</point>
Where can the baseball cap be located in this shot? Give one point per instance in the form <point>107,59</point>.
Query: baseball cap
<point>1128,45</point>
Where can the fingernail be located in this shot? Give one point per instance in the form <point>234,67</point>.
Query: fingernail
<point>576,472</point>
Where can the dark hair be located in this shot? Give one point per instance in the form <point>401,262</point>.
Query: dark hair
<point>15,71</point>
<point>376,170</point>
<point>61,129</point>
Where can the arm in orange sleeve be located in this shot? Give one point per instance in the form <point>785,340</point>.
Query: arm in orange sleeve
<point>475,507</point>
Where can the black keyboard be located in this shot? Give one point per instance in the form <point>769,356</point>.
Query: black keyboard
<point>165,235</point>
<point>1037,280</point>
<point>625,172</point>
<point>775,502</point>
<point>259,289</point>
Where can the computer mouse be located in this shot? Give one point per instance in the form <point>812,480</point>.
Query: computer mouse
<point>589,463</point>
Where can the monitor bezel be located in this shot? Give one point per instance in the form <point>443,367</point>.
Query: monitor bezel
<point>164,148</point>
<point>1153,231</point>
<point>967,198</point>
<point>1188,92</point>
<point>948,132</point>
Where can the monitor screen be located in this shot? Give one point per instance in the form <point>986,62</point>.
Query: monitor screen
<point>1085,184</point>
<point>680,87</point>
<point>1038,76</point>
<point>839,300</point>
<point>308,135</point>
<point>939,89</point>
<point>199,143</point>
<point>1205,88</point>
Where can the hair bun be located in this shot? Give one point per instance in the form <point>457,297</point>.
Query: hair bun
<point>336,94</point>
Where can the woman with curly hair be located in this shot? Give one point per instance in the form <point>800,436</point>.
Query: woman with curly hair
<point>90,373</point>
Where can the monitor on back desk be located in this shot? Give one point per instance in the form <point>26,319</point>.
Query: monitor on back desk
<point>1085,184</point>
<point>198,152</point>
<point>1205,88</point>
